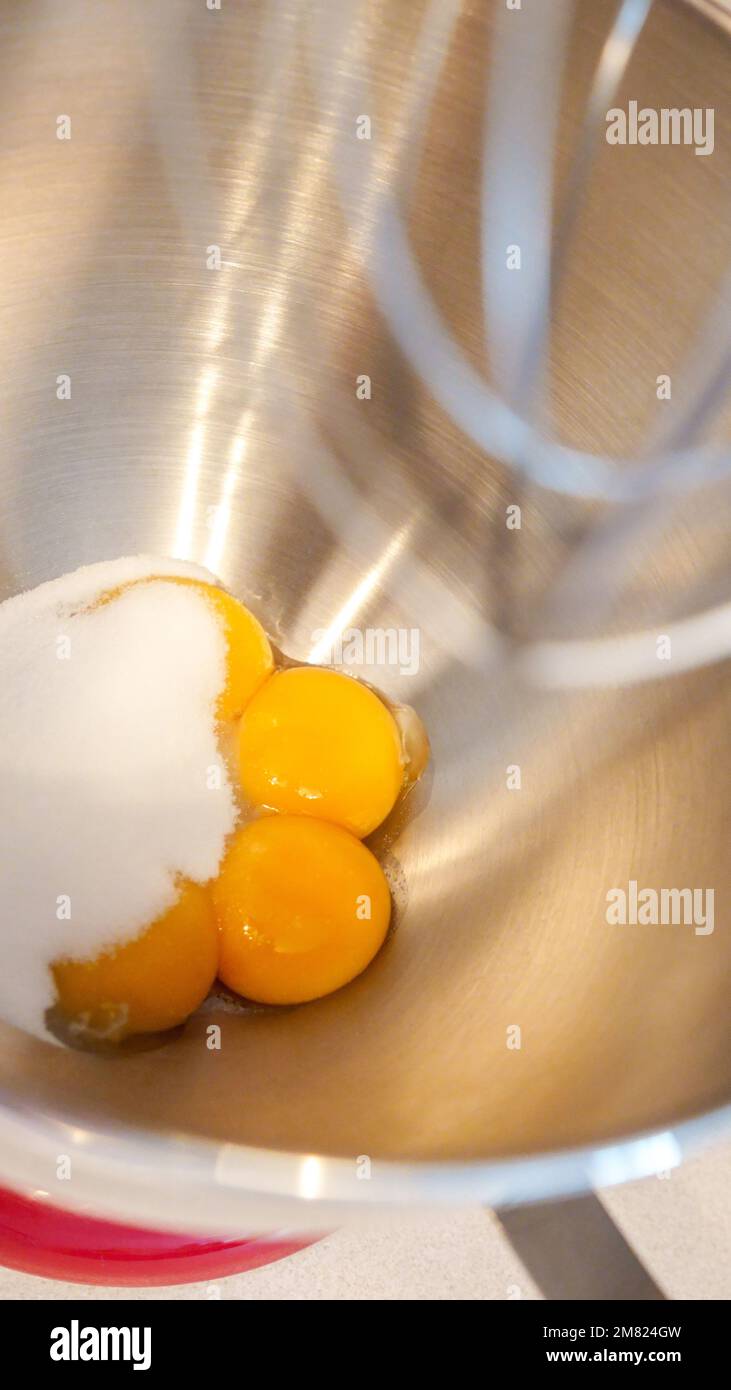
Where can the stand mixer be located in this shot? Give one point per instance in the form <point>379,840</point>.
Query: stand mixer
<point>355,304</point>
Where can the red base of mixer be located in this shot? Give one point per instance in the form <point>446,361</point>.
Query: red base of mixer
<point>41,1239</point>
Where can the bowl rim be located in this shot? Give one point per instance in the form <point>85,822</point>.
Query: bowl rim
<point>202,1186</point>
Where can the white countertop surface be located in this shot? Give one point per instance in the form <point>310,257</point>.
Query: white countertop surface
<point>679,1225</point>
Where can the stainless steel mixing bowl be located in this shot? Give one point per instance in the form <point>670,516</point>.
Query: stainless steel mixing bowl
<point>191,300</point>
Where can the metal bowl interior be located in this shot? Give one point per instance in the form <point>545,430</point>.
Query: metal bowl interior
<point>213,415</point>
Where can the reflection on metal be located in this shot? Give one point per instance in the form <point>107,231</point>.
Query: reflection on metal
<point>183,548</point>
<point>358,600</point>
<point>222,515</point>
<point>310,1184</point>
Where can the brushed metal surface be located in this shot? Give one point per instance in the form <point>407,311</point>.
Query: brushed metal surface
<point>213,415</point>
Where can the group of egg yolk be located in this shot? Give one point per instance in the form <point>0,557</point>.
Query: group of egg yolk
<point>300,906</point>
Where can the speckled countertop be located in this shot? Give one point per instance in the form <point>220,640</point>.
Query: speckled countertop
<point>679,1225</point>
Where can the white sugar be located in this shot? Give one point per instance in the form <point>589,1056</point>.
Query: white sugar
<point>111,781</point>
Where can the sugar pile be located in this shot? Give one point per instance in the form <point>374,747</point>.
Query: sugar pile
<point>111,779</point>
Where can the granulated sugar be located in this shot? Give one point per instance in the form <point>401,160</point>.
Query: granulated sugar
<point>111,779</point>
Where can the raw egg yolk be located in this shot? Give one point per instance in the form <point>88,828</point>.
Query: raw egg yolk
<point>249,657</point>
<point>149,984</point>
<point>302,908</point>
<point>313,742</point>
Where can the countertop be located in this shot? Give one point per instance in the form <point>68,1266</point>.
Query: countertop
<point>679,1225</point>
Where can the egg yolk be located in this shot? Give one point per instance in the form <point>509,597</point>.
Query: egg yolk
<point>313,742</point>
<point>249,659</point>
<point>149,984</point>
<point>302,908</point>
